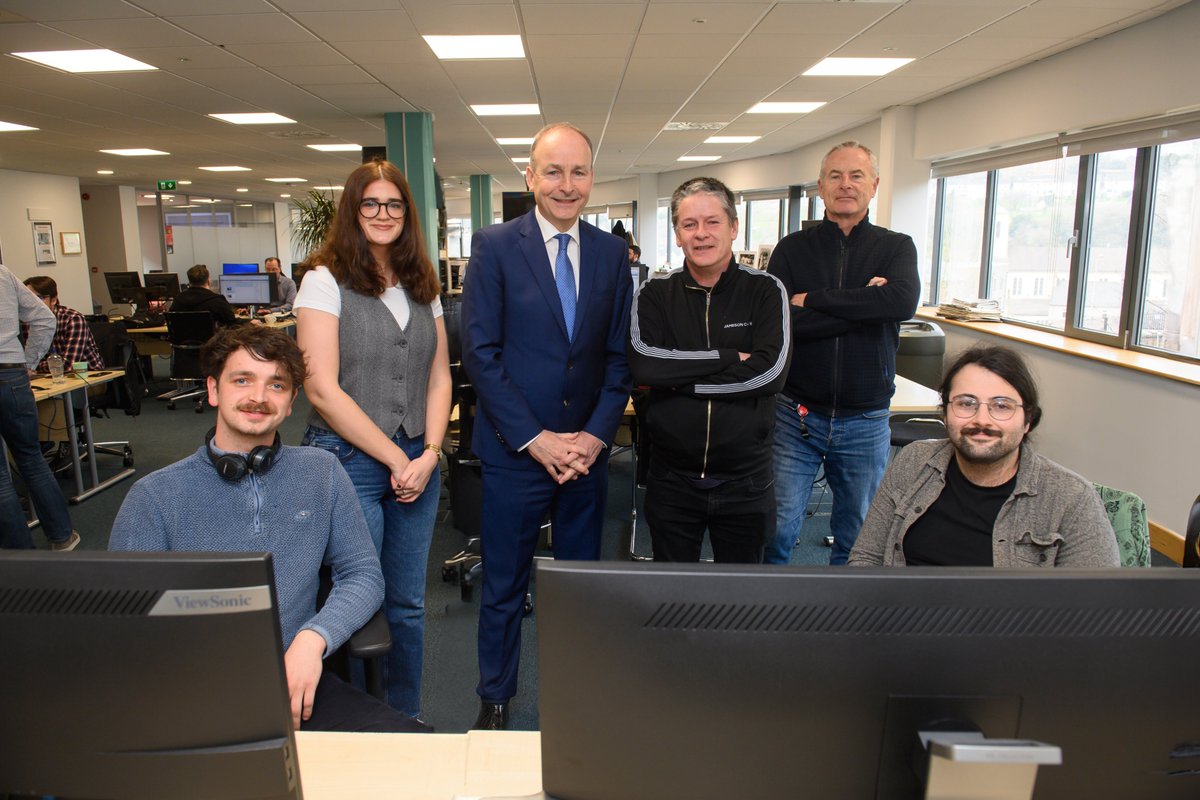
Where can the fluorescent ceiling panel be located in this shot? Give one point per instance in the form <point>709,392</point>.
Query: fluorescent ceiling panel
<point>85,61</point>
<point>451,48</point>
<point>336,148</point>
<point>698,158</point>
<point>255,118</point>
<point>784,108</point>
<point>507,110</point>
<point>225,169</point>
<point>731,139</point>
<point>136,151</point>
<point>12,126</point>
<point>288,180</point>
<point>857,66</point>
<point>514,140</point>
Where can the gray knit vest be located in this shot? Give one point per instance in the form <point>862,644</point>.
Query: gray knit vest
<point>383,368</point>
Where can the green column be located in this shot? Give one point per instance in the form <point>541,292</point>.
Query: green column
<point>410,148</point>
<point>481,202</point>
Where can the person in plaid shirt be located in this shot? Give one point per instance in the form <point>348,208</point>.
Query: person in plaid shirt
<point>72,336</point>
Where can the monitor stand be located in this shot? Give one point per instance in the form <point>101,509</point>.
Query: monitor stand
<point>969,766</point>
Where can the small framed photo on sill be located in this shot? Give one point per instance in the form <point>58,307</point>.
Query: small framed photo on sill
<point>72,244</point>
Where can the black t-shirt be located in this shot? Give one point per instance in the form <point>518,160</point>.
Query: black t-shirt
<point>956,530</point>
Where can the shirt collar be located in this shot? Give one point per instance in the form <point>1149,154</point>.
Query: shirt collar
<point>549,231</point>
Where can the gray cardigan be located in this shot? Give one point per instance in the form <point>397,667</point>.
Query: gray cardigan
<point>1054,517</point>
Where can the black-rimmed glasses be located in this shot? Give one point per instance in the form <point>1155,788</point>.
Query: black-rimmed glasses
<point>369,208</point>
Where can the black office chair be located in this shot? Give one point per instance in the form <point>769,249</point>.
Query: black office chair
<point>905,431</point>
<point>119,352</point>
<point>370,644</point>
<point>187,332</point>
<point>1191,542</point>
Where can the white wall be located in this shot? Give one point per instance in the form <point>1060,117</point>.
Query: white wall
<point>111,226</point>
<point>149,223</point>
<point>55,199</point>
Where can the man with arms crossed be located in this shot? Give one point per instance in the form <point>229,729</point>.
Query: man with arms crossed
<point>545,316</point>
<point>711,341</point>
<point>984,497</point>
<point>851,284</point>
<point>242,491</point>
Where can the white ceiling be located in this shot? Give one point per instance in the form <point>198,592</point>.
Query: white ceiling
<point>620,70</point>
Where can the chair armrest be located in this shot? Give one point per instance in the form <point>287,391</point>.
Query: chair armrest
<point>372,639</point>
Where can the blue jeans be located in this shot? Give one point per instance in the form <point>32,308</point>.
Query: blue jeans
<point>19,429</point>
<point>402,533</point>
<point>854,450</point>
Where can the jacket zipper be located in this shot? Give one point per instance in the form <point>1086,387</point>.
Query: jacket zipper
<point>837,341</point>
<point>707,403</point>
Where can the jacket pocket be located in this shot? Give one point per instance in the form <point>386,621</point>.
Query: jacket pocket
<point>1037,549</point>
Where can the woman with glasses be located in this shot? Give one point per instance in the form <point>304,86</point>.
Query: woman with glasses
<point>369,322</point>
<point>983,497</point>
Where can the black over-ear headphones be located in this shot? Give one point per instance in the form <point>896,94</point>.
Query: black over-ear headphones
<point>235,466</point>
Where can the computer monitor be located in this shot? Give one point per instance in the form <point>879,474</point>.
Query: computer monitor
<point>782,682</point>
<point>143,675</point>
<point>251,290</point>
<point>122,286</point>
<point>239,269</point>
<point>162,285</point>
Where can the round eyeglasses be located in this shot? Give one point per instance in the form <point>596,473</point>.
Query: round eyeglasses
<point>370,208</point>
<point>1001,408</point>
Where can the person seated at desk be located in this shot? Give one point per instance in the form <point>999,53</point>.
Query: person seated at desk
<point>244,491</point>
<point>984,497</point>
<point>72,337</point>
<point>287,289</point>
<point>199,296</point>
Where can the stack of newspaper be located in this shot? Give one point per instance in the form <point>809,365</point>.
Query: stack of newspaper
<point>977,310</point>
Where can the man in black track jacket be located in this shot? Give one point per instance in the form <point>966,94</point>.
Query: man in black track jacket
<point>851,284</point>
<point>711,341</point>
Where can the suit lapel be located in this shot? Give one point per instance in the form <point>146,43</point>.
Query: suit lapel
<point>589,259</point>
<point>541,270</point>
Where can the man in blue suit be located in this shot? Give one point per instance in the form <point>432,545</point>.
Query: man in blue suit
<point>545,315</point>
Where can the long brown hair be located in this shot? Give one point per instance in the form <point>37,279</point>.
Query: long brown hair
<point>348,256</point>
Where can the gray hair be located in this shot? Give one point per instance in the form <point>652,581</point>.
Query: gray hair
<point>554,126</point>
<point>844,145</point>
<point>710,186</point>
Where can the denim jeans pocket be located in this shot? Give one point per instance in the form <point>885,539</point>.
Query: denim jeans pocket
<point>877,414</point>
<point>328,440</point>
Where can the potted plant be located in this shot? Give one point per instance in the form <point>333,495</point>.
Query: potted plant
<point>311,224</point>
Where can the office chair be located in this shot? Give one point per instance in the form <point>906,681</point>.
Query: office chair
<point>187,332</point>
<point>1191,542</point>
<point>370,644</point>
<point>906,430</point>
<point>1131,525</point>
<point>125,393</point>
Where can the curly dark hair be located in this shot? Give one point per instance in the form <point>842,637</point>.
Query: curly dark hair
<point>348,256</point>
<point>264,344</point>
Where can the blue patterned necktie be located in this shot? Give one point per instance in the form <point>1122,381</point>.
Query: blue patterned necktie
<point>564,277</point>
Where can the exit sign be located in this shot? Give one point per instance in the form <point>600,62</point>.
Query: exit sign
<point>166,186</point>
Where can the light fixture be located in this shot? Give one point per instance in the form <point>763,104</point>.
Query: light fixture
<point>242,190</point>
<point>698,158</point>
<point>507,110</point>
<point>136,151</point>
<point>153,196</point>
<point>12,126</point>
<point>514,140</point>
<point>255,118</point>
<point>285,195</point>
<point>183,183</point>
<point>203,200</point>
<point>225,169</point>
<point>328,188</point>
<point>104,172</point>
<point>731,139</point>
<point>857,66</point>
<point>245,205</point>
<point>85,61</point>
<point>335,148</point>
<point>694,126</point>
<point>288,180</point>
<point>784,108</point>
<point>450,48</point>
<point>522,160</point>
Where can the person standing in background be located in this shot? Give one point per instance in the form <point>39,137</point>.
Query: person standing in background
<point>287,287</point>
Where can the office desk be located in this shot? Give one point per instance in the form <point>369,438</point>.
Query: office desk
<point>413,766</point>
<point>45,389</point>
<point>153,341</point>
<point>913,398</point>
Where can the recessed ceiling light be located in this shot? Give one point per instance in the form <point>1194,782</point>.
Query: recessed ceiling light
<point>285,195</point>
<point>85,61</point>
<point>183,183</point>
<point>225,169</point>
<point>507,110</point>
<point>520,160</point>
<point>104,172</point>
<point>328,188</point>
<point>514,140</point>
<point>449,48</point>
<point>243,190</point>
<point>245,205</point>
<point>784,108</point>
<point>694,126</point>
<point>698,158</point>
<point>12,126</point>
<point>203,200</point>
<point>288,180</point>
<point>335,148</point>
<point>153,196</point>
<point>255,118</point>
<point>136,151</point>
<point>731,139</point>
<point>857,66</point>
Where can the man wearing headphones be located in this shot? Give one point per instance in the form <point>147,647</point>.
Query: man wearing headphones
<point>243,491</point>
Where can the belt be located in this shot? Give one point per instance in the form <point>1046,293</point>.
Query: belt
<point>20,365</point>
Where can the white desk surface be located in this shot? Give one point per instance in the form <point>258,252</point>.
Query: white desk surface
<point>911,397</point>
<point>438,766</point>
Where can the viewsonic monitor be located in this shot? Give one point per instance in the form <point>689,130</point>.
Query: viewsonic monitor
<point>250,290</point>
<point>707,682</point>
<point>239,269</point>
<point>143,675</point>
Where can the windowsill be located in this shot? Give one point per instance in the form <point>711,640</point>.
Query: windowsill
<point>1129,359</point>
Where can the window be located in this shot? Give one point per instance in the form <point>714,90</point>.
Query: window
<point>1104,265</point>
<point>763,224</point>
<point>458,238</point>
<point>665,236</point>
<point>1031,235</point>
<point>1170,309</point>
<point>962,236</point>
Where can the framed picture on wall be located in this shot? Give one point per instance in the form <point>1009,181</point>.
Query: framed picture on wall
<point>43,242</point>
<point>72,244</point>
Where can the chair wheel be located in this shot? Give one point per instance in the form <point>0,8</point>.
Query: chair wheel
<point>127,454</point>
<point>528,607</point>
<point>170,405</point>
<point>466,591</point>
<point>449,574</point>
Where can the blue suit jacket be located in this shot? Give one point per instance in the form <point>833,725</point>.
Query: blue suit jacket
<point>528,376</point>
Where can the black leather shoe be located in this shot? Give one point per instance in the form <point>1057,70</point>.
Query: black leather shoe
<point>492,717</point>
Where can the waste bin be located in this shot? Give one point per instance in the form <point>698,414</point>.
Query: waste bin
<point>922,348</point>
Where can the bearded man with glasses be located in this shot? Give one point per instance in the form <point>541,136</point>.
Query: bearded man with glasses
<point>983,497</point>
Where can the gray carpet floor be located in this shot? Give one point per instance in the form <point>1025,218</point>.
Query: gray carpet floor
<point>161,437</point>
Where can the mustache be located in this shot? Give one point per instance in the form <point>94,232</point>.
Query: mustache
<point>256,408</point>
<point>972,430</point>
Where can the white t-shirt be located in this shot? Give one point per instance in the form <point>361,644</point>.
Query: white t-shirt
<point>319,291</point>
